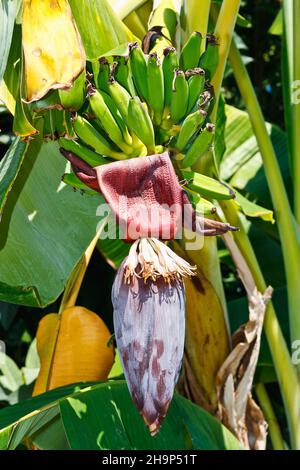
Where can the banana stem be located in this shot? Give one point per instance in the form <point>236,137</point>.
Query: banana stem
<point>77,275</point>
<point>288,229</point>
<point>286,373</point>
<point>223,31</point>
<point>196,14</point>
<point>268,411</point>
<point>296,109</point>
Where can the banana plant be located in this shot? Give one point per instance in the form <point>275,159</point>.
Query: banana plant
<point>124,102</point>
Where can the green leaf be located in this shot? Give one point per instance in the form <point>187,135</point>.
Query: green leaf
<point>242,164</point>
<point>219,143</point>
<point>108,419</point>
<point>9,168</point>
<point>100,28</point>
<point>8,12</point>
<point>243,22</point>
<point>113,250</point>
<point>11,415</point>
<point>251,209</point>
<point>102,416</point>
<point>117,369</point>
<point>277,25</point>
<point>11,377</point>
<point>45,229</point>
<point>51,436</point>
<point>123,9</point>
<point>10,83</point>
<point>32,364</point>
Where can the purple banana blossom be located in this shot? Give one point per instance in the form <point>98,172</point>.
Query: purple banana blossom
<point>149,322</point>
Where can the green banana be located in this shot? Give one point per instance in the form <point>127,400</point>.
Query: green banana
<point>103,114</point>
<point>169,65</point>
<point>199,146</point>
<point>190,125</point>
<point>191,51</point>
<point>88,134</point>
<point>202,206</point>
<point>117,117</point>
<point>180,96</point>
<point>72,180</point>
<point>74,97</point>
<point>155,87</point>
<point>196,83</point>
<point>101,73</point>
<point>138,66</point>
<point>87,155</point>
<point>121,71</point>
<point>140,123</point>
<point>208,187</point>
<point>120,96</point>
<point>210,58</point>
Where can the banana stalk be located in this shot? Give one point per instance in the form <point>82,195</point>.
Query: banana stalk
<point>224,31</point>
<point>194,21</point>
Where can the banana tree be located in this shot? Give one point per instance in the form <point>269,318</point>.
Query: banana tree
<point>124,103</point>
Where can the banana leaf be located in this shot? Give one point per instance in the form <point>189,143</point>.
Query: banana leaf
<point>100,28</point>
<point>44,229</point>
<point>8,12</point>
<point>115,424</point>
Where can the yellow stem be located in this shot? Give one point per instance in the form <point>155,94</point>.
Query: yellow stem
<point>268,411</point>
<point>196,16</point>
<point>224,31</point>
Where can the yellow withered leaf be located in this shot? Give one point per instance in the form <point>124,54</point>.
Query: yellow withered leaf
<point>207,339</point>
<point>54,55</point>
<point>72,348</point>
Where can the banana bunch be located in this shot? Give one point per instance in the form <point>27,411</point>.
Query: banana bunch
<point>140,104</point>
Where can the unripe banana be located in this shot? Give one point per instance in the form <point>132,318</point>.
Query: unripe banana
<point>139,70</point>
<point>202,206</point>
<point>210,58</point>
<point>88,134</point>
<point>169,65</point>
<point>140,123</point>
<point>190,125</point>
<point>87,155</point>
<point>103,114</point>
<point>73,98</point>
<point>207,187</point>
<point>72,180</point>
<point>121,71</point>
<point>199,146</point>
<point>155,87</point>
<point>101,74</point>
<point>191,51</point>
<point>196,83</point>
<point>117,117</point>
<point>120,96</point>
<point>180,96</point>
